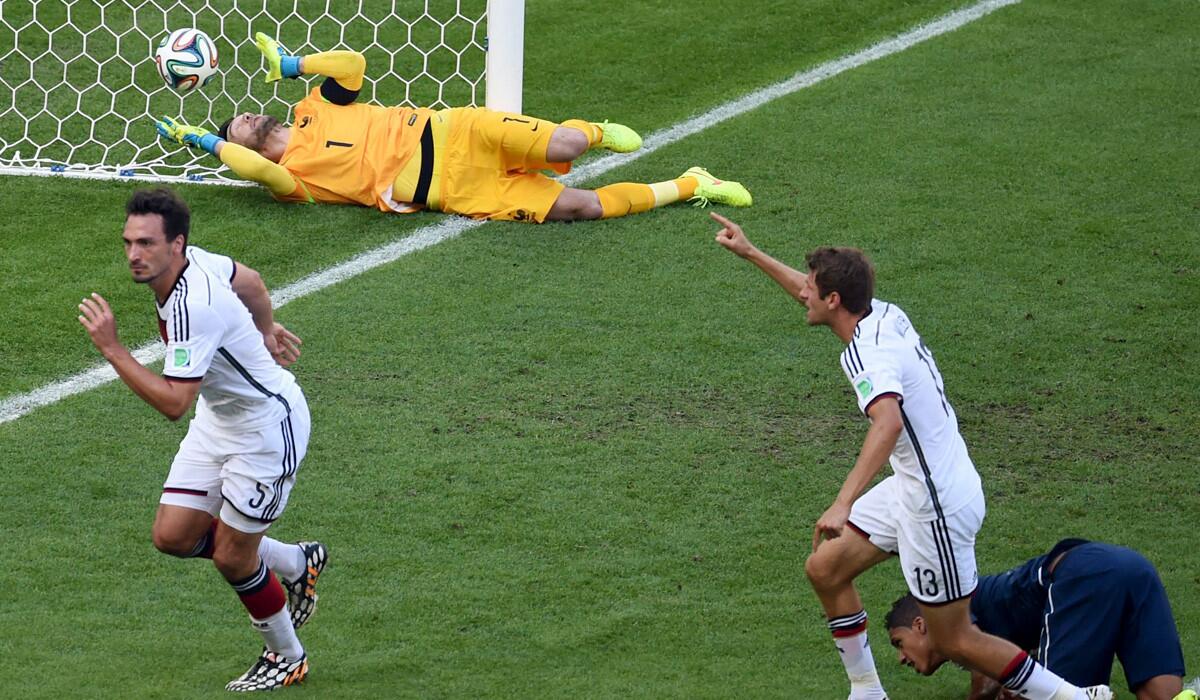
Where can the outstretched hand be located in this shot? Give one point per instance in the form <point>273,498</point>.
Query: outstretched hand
<point>731,236</point>
<point>273,53</point>
<point>283,345</point>
<point>180,133</point>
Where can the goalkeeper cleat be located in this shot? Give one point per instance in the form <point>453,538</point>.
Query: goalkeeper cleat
<point>619,138</point>
<point>270,672</point>
<point>302,593</point>
<point>709,189</point>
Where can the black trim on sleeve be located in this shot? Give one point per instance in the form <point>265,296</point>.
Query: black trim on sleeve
<point>421,192</point>
<point>234,273</point>
<point>183,379</point>
<point>867,408</point>
<point>336,93</point>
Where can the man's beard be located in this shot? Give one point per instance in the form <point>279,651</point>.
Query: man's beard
<point>263,132</point>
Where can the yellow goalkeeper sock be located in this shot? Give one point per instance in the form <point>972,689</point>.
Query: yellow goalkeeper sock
<point>592,131</point>
<point>633,197</point>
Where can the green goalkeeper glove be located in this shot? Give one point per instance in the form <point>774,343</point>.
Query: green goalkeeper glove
<point>279,64</point>
<point>193,136</point>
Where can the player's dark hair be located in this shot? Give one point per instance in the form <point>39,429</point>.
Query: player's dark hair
<point>223,132</point>
<point>903,613</point>
<point>846,271</point>
<point>176,216</point>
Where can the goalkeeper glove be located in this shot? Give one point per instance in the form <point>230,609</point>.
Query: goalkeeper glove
<point>279,64</point>
<point>193,136</point>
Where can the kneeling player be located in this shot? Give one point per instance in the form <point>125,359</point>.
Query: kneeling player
<point>1076,608</point>
<point>235,468</point>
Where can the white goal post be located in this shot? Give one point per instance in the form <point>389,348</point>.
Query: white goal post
<point>79,88</point>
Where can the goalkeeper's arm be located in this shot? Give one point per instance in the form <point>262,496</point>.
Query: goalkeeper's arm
<point>251,166</point>
<point>241,160</point>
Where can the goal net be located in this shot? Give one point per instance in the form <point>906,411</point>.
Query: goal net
<point>79,88</point>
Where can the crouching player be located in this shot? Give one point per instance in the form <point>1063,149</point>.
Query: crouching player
<point>1076,608</point>
<point>235,468</point>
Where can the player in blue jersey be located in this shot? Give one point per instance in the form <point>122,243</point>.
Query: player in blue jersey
<point>927,512</point>
<point>1075,608</point>
<point>236,466</point>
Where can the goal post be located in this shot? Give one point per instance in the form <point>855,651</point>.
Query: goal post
<point>79,88</point>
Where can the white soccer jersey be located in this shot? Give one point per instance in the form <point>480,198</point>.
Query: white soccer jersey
<point>211,338</point>
<point>886,356</point>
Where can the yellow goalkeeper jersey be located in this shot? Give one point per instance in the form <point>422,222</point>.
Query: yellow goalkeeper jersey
<point>349,154</point>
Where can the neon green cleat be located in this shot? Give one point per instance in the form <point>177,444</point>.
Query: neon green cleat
<point>1188,694</point>
<point>619,138</point>
<point>711,190</point>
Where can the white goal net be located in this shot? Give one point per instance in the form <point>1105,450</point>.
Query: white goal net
<point>79,88</point>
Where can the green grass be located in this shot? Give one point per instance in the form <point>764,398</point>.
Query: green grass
<point>585,459</point>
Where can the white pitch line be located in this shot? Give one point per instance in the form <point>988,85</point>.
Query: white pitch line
<point>18,405</point>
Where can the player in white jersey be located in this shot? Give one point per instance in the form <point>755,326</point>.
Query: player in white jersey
<point>235,468</point>
<point>927,512</point>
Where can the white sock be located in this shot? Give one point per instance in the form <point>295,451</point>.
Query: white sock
<point>286,560</point>
<point>1034,681</point>
<point>279,635</point>
<point>860,666</point>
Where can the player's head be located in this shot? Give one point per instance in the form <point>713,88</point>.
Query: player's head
<point>839,278</point>
<point>906,628</point>
<point>252,131</point>
<point>156,230</point>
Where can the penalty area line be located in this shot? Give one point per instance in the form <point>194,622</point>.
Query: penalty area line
<point>18,405</point>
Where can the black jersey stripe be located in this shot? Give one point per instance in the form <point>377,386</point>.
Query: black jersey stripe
<point>933,376</point>
<point>912,436</point>
<point>857,357</point>
<point>879,324</point>
<point>855,363</point>
<point>179,308</point>
<point>252,381</point>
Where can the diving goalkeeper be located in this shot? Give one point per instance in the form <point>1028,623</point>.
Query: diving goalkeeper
<point>471,161</point>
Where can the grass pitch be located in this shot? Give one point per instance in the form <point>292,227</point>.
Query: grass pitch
<point>585,459</point>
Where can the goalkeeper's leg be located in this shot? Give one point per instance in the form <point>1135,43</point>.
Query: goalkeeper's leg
<point>625,198</point>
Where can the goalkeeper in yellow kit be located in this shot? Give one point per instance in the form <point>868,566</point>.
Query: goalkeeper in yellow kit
<point>471,161</point>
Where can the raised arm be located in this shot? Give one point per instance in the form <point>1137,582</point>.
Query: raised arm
<point>345,69</point>
<point>733,239</point>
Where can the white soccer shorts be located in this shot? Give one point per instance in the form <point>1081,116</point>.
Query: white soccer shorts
<point>244,476</point>
<point>937,556</point>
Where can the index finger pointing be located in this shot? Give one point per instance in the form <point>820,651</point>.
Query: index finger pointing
<point>720,219</point>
